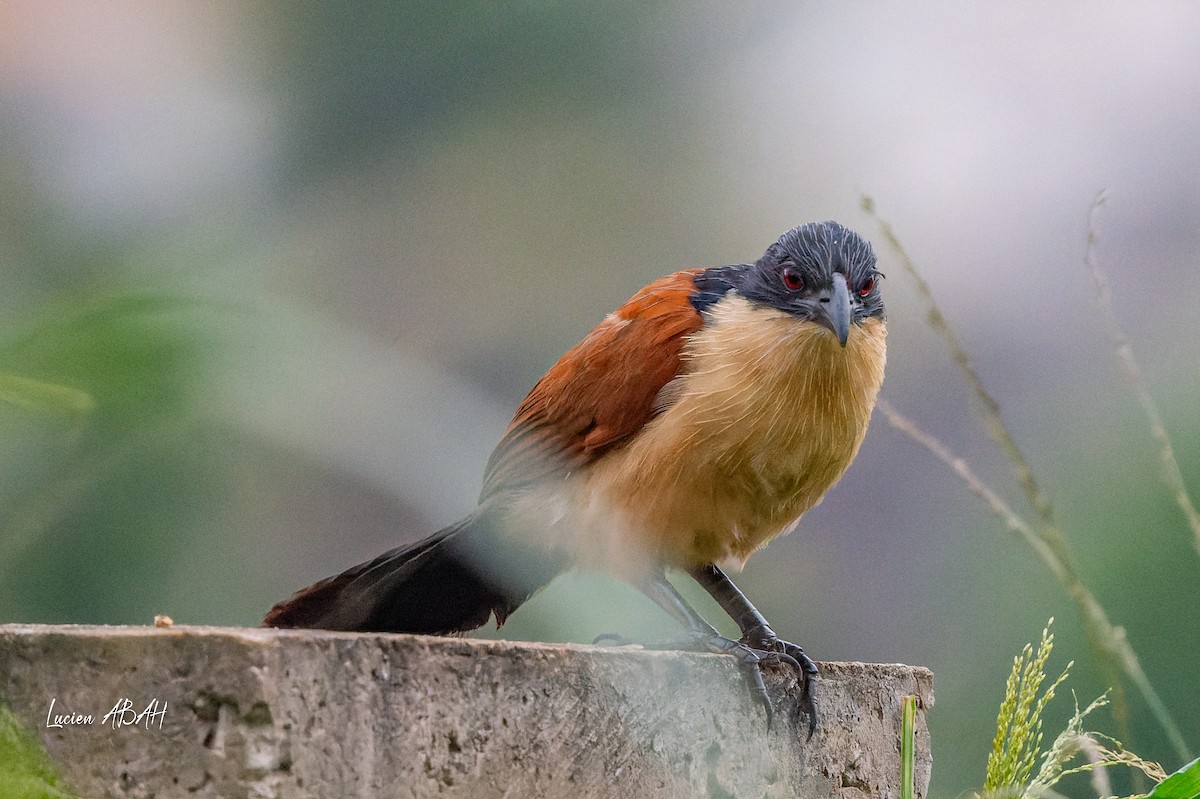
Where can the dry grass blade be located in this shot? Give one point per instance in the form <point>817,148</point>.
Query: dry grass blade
<point>937,320</point>
<point>1100,753</point>
<point>1171,474</point>
<point>1107,640</point>
<point>959,466</point>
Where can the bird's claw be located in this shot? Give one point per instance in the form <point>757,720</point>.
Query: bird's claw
<point>762,638</point>
<point>755,650</point>
<point>751,659</point>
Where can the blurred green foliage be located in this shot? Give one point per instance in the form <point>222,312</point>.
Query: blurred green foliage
<point>381,76</point>
<point>89,498</point>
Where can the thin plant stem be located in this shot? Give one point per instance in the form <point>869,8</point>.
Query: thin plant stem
<point>1108,640</point>
<point>1171,473</point>
<point>937,320</point>
<point>908,747</point>
<point>959,466</point>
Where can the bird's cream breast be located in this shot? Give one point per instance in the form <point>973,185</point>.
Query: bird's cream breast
<point>766,416</point>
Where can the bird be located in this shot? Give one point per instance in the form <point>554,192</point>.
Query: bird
<point>690,427</point>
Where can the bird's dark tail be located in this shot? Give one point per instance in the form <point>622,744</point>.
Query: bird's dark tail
<point>452,581</point>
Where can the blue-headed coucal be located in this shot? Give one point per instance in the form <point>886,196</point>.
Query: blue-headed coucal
<point>689,428</point>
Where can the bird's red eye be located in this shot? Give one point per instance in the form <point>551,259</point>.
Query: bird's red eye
<point>865,289</point>
<point>793,279</point>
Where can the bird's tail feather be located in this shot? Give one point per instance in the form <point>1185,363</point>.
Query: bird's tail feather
<point>452,581</point>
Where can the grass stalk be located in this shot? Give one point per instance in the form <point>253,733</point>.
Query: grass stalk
<point>1018,741</point>
<point>1171,474</point>
<point>1107,640</point>
<point>1018,744</point>
<point>937,320</point>
<point>908,745</point>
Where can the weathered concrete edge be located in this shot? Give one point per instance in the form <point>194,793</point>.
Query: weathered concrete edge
<point>571,677</point>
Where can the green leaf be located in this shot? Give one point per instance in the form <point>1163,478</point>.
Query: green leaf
<point>44,396</point>
<point>1183,784</point>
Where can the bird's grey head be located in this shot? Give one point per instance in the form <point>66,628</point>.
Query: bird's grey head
<point>819,271</point>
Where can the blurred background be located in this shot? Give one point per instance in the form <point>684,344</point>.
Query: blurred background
<point>302,260</point>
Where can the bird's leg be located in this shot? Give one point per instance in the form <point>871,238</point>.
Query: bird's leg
<point>658,588</point>
<point>704,636</point>
<point>756,633</point>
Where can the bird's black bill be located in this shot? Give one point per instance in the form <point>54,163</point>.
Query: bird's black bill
<point>833,309</point>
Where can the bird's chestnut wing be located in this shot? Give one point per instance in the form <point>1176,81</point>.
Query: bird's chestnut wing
<point>601,391</point>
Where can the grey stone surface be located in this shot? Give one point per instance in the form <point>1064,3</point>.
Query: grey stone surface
<point>277,713</point>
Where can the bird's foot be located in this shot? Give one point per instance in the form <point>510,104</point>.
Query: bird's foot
<point>750,657</point>
<point>763,638</point>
